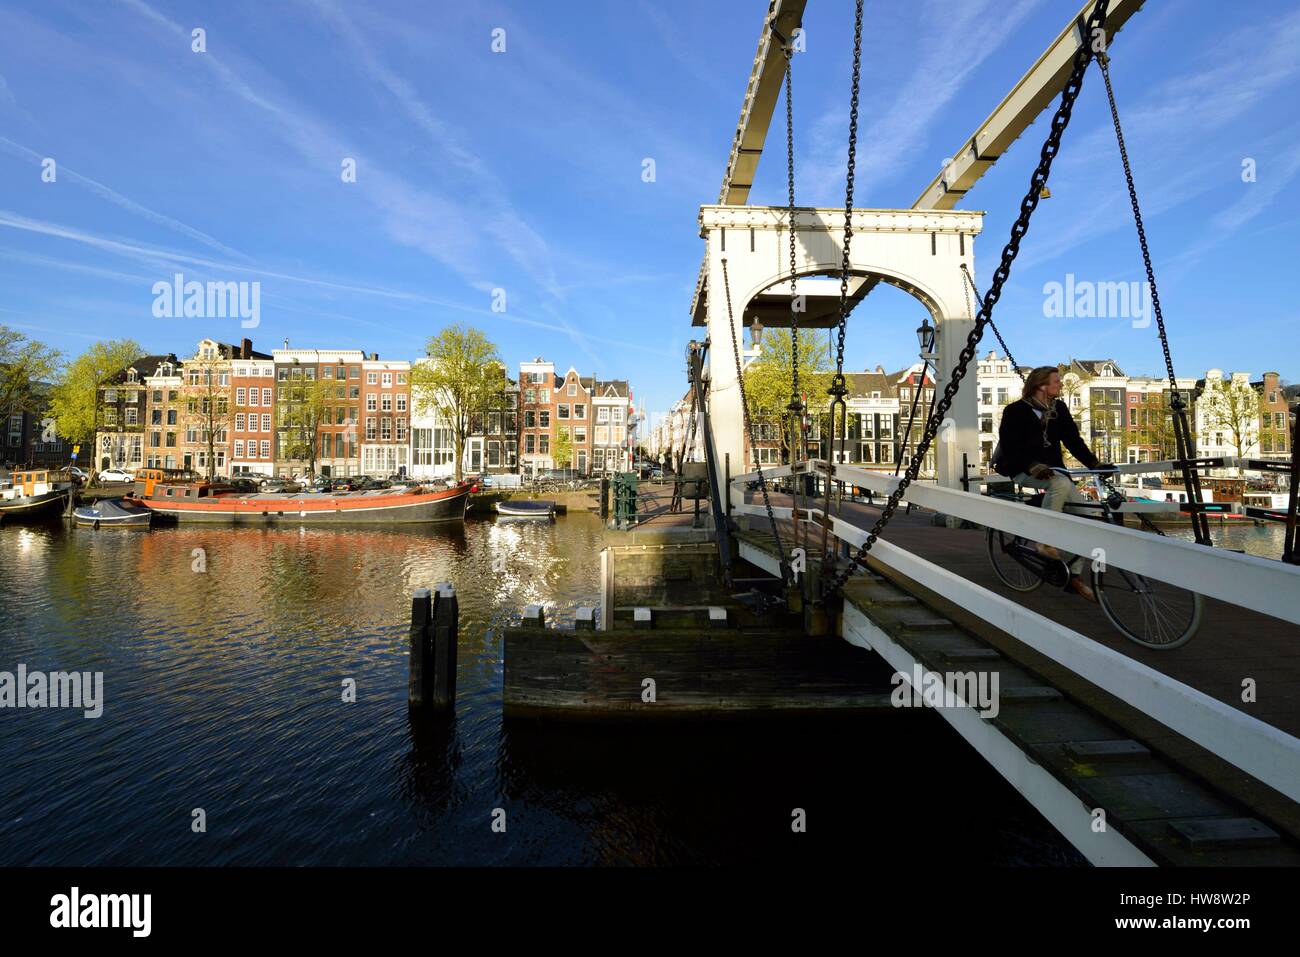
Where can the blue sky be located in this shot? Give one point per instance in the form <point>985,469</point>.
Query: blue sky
<point>522,170</point>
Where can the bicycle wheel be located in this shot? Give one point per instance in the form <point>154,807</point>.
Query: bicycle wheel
<point>1152,613</point>
<point>1009,571</point>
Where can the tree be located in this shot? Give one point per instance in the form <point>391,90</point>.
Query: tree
<point>22,362</point>
<point>563,448</point>
<point>462,378</point>
<point>74,400</point>
<point>305,409</point>
<point>769,382</point>
<point>1233,407</point>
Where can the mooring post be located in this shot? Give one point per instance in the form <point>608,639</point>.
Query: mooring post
<point>446,631</point>
<point>419,683</point>
<point>604,498</point>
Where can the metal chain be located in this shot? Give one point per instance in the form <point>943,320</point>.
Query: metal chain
<point>1060,120</point>
<point>980,299</point>
<point>749,430</point>
<point>1200,523</point>
<point>838,381</point>
<point>789,176</point>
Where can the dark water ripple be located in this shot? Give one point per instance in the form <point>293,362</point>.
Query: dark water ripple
<point>223,692</point>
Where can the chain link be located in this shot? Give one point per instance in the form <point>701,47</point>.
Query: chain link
<point>1060,120</point>
<point>838,388</point>
<point>789,176</point>
<point>749,430</point>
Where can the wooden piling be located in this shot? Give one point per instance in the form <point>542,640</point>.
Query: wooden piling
<point>419,681</point>
<point>445,633</point>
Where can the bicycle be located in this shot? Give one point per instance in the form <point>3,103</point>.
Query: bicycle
<point>1151,613</point>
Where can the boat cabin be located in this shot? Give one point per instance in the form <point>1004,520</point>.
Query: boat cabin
<point>146,479</point>
<point>29,482</point>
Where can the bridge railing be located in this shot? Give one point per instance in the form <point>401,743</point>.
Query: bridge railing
<point>1260,749</point>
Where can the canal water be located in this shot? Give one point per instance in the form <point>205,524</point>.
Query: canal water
<point>224,654</point>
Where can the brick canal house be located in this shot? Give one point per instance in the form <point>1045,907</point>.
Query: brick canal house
<point>613,426</point>
<point>537,411</point>
<point>386,410</point>
<point>120,414</point>
<point>252,435</point>
<point>317,411</point>
<point>1274,420</point>
<point>31,437</point>
<point>164,409</point>
<point>208,395</point>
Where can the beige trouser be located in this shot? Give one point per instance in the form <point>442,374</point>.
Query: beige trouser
<point>1059,491</point>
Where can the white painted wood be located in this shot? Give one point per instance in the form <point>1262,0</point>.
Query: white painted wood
<point>1069,815</point>
<point>1269,587</point>
<point>1259,749</point>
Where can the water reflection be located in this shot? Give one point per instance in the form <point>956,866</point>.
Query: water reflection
<point>223,691</point>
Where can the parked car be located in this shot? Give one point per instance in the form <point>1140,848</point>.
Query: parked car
<point>279,485</point>
<point>116,475</point>
<point>242,483</point>
<point>70,473</point>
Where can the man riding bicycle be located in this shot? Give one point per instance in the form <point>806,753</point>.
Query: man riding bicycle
<point>1029,449</point>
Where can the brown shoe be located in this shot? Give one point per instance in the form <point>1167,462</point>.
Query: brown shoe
<point>1082,589</point>
<point>1049,551</point>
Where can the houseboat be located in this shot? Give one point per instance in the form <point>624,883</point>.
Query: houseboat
<point>214,502</point>
<point>33,494</point>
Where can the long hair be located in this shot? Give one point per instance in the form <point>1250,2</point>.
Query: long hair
<point>1036,380</point>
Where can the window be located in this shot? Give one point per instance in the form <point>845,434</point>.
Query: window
<point>171,440</point>
<point>133,397</point>
<point>544,418</point>
<point>155,440</point>
<point>530,397</point>
<point>986,424</point>
<point>370,428</point>
<point>1132,416</point>
<point>602,434</point>
<point>386,402</point>
<point>401,378</point>
<point>602,413</point>
<point>529,446</point>
<point>493,454</point>
<point>282,374</point>
<point>616,415</point>
<point>1002,396</point>
<point>239,448</point>
<point>401,402</point>
<point>544,396</point>
<point>239,422</point>
<point>372,378</point>
<point>327,372</point>
<point>562,411</point>
<point>579,411</point>
<point>401,429</point>
<point>265,445</point>
<point>544,444</point>
<point>371,403</point>
<point>155,416</point>
<point>266,422</point>
<point>573,387</point>
<point>580,433</point>
<point>386,429</point>
<point>132,416</point>
<point>110,395</point>
<point>530,419</point>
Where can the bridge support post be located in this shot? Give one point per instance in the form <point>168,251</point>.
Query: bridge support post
<point>959,432</point>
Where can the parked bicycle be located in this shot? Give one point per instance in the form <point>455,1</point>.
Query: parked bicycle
<point>1151,613</point>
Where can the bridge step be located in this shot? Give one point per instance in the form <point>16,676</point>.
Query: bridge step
<point>1030,693</point>
<point>1121,750</point>
<point>1224,832</point>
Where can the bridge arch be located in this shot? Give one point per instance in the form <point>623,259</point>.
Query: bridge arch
<point>918,251</point>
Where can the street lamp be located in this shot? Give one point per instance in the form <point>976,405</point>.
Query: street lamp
<point>755,332</point>
<point>925,336</point>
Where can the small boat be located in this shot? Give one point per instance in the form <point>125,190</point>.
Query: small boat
<point>525,508</point>
<point>112,513</point>
<point>32,494</point>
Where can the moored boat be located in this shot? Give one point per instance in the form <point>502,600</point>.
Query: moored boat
<point>525,508</point>
<point>33,494</point>
<point>112,513</point>
<point>217,503</point>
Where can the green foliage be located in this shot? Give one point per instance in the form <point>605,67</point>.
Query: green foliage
<point>562,450</point>
<point>459,381</point>
<point>769,380</point>
<point>74,400</point>
<point>22,362</point>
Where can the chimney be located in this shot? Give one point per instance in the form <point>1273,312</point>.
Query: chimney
<point>374,357</point>
<point>880,370</point>
<point>245,348</point>
<point>286,342</point>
